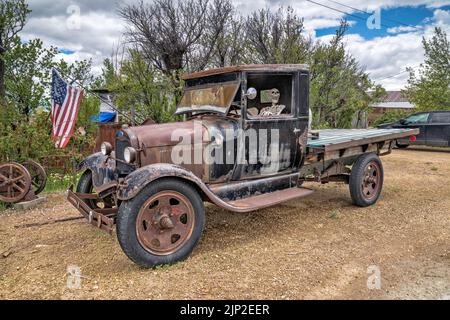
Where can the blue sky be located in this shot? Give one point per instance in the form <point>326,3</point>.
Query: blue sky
<point>390,18</point>
<point>383,53</point>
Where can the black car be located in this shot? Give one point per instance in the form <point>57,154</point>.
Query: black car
<point>434,129</point>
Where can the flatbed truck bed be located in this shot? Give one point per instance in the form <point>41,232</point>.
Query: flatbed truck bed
<point>338,139</point>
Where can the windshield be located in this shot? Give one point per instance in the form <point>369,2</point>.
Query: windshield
<point>215,98</point>
<point>418,118</point>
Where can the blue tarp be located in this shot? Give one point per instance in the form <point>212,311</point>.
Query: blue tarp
<point>104,117</point>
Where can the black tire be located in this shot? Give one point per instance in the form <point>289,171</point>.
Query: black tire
<point>401,146</point>
<point>85,186</point>
<point>127,233</point>
<point>359,180</point>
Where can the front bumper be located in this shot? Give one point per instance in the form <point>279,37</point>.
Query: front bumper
<point>104,219</point>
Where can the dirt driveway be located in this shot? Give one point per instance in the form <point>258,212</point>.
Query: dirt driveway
<point>319,247</point>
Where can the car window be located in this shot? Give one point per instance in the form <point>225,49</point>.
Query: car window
<point>275,96</point>
<point>440,117</point>
<point>418,118</point>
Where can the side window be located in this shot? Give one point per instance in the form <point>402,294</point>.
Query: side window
<point>420,118</point>
<point>440,117</point>
<point>275,95</point>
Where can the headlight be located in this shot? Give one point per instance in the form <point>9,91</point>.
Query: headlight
<point>129,155</point>
<point>106,148</point>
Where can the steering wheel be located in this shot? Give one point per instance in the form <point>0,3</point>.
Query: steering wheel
<point>235,107</point>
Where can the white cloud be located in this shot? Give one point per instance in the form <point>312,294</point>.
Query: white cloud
<point>101,30</point>
<point>401,29</point>
<point>442,17</point>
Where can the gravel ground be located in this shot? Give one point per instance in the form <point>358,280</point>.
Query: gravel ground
<point>316,248</point>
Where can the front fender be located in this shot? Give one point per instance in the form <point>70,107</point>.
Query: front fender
<point>103,170</point>
<point>140,178</point>
<point>92,161</point>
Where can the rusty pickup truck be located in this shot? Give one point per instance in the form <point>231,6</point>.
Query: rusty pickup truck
<point>244,144</point>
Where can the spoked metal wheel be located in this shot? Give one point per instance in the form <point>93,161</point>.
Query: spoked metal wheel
<point>15,182</point>
<point>165,222</point>
<point>371,182</point>
<point>38,175</point>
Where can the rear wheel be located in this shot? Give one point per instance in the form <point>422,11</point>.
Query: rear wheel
<point>366,180</point>
<point>162,224</point>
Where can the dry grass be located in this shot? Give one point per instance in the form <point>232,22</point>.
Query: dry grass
<point>318,247</point>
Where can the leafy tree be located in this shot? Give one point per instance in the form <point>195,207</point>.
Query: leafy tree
<point>277,37</point>
<point>139,87</point>
<point>176,35</point>
<point>229,48</point>
<point>13,15</point>
<point>430,90</point>
<point>339,86</point>
<point>25,126</point>
<point>28,74</point>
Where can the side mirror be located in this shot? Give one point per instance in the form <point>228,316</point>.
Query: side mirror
<point>251,94</point>
<point>403,121</point>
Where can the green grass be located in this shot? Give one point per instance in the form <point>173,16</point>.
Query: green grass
<point>334,215</point>
<point>57,182</point>
<point>3,206</point>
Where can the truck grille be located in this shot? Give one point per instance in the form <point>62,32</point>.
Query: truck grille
<point>121,144</point>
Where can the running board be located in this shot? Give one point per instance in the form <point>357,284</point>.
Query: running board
<point>268,199</point>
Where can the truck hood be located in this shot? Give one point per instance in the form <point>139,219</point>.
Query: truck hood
<point>169,134</point>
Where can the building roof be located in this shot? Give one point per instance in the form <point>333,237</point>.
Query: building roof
<point>249,67</point>
<point>395,96</point>
<point>394,100</point>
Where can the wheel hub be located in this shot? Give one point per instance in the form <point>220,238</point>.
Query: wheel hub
<point>165,222</point>
<point>370,183</point>
<point>163,219</point>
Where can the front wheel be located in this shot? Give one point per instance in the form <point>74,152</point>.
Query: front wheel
<point>366,180</point>
<point>162,224</point>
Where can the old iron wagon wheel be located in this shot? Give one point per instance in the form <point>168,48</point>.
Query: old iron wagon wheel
<point>38,175</point>
<point>366,180</point>
<point>15,182</point>
<point>165,222</point>
<point>162,224</point>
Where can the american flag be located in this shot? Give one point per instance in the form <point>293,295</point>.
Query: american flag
<point>66,101</point>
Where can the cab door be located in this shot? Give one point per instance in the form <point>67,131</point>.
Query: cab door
<point>272,141</point>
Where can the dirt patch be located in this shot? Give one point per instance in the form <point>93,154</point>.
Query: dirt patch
<point>318,247</point>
